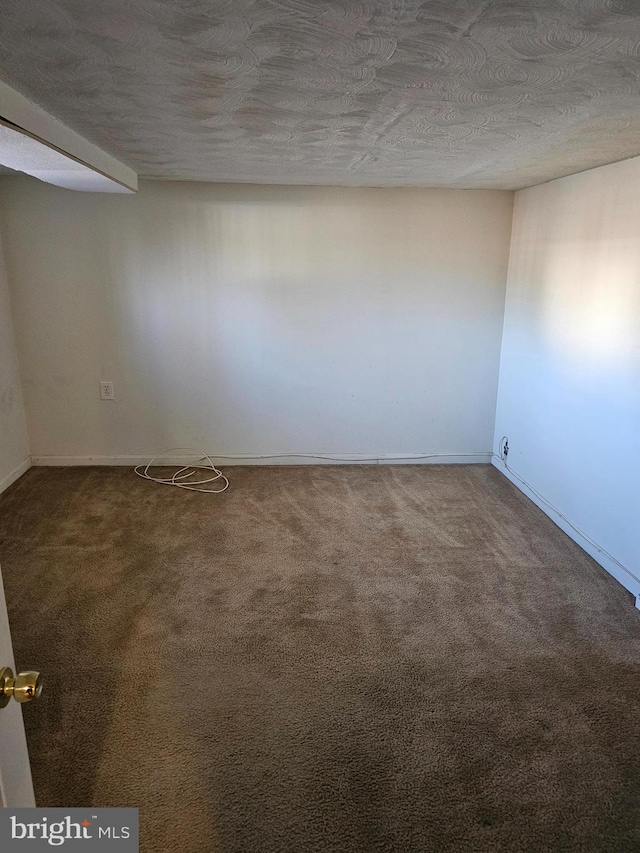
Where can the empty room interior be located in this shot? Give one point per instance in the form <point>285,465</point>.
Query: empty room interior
<point>320,422</point>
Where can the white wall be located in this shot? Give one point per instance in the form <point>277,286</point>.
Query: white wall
<point>257,319</point>
<point>569,397</point>
<point>14,443</point>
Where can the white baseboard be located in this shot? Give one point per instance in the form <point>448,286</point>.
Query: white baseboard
<point>621,573</point>
<point>283,459</point>
<point>17,472</point>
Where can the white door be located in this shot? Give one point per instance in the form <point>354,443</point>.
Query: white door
<point>16,788</point>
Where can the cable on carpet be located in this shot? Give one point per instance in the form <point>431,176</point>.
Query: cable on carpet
<point>181,478</point>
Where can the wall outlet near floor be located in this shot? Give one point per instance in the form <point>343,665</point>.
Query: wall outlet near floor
<point>106,391</point>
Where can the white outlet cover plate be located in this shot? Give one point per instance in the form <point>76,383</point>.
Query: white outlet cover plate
<point>106,391</point>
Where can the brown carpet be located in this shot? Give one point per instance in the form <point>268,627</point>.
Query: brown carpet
<point>332,659</point>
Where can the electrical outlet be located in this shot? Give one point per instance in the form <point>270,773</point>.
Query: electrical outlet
<point>106,391</point>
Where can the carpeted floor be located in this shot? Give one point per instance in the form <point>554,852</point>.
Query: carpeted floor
<point>333,659</point>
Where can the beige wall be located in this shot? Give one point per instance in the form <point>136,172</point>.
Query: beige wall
<point>247,320</point>
<point>14,444</point>
<point>569,396</point>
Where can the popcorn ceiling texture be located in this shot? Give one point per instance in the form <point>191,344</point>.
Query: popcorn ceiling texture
<point>462,93</point>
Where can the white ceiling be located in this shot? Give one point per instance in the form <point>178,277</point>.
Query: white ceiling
<point>465,93</point>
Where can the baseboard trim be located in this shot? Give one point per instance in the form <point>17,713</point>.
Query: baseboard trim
<point>478,458</point>
<point>15,474</point>
<point>621,573</point>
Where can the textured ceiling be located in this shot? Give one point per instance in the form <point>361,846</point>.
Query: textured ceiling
<point>468,93</point>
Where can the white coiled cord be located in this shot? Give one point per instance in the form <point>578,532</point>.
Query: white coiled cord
<point>181,477</point>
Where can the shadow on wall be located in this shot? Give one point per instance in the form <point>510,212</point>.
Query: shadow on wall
<point>274,320</point>
<point>569,394</point>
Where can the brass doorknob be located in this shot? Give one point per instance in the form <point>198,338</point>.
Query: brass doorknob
<point>24,687</point>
